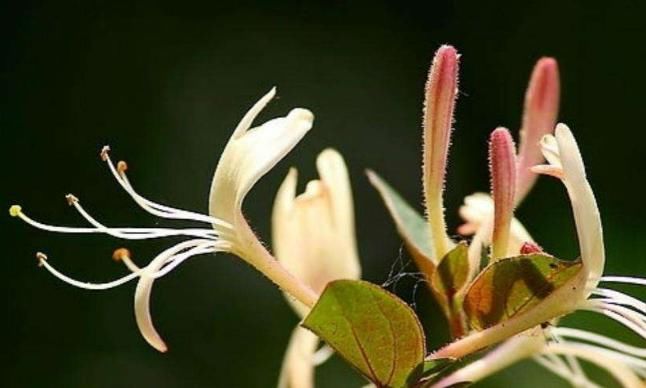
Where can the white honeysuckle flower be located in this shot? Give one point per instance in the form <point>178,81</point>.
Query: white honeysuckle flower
<point>566,163</point>
<point>248,155</point>
<point>314,239</point>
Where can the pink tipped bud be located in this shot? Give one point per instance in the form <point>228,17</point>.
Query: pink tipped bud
<point>502,154</point>
<point>441,89</point>
<point>539,119</point>
<point>530,247</point>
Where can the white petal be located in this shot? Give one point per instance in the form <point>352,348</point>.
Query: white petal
<point>298,364</point>
<point>334,175</point>
<point>477,212</point>
<point>145,284</point>
<point>250,153</point>
<point>313,234</point>
<point>584,206</point>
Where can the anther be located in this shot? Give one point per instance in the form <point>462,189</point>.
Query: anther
<point>71,199</point>
<point>41,258</point>
<point>15,210</point>
<point>121,254</point>
<point>105,153</point>
<point>122,166</point>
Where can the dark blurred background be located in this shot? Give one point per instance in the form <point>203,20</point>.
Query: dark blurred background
<point>165,83</point>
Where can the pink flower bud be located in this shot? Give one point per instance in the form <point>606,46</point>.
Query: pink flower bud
<point>441,89</point>
<point>539,119</point>
<point>502,154</point>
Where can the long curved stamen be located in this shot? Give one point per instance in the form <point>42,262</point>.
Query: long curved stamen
<point>138,233</point>
<point>572,362</point>
<point>610,361</point>
<point>636,364</point>
<point>561,370</point>
<point>599,339</point>
<point>123,254</point>
<point>624,279</point>
<point>43,261</point>
<point>616,297</point>
<point>603,308</point>
<point>159,210</point>
<point>218,246</point>
<point>635,316</point>
<point>124,233</point>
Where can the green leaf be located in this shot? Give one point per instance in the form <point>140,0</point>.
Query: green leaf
<point>451,276</point>
<point>510,286</point>
<point>452,273</point>
<point>371,328</point>
<point>412,227</point>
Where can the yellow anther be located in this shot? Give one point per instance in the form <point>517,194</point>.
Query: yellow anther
<point>105,153</point>
<point>122,166</point>
<point>121,254</point>
<point>41,257</point>
<point>15,210</point>
<point>71,199</point>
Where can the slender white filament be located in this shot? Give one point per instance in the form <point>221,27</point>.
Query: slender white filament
<point>614,363</point>
<point>87,285</point>
<point>620,298</point>
<point>562,371</point>
<point>591,305</point>
<point>600,340</point>
<point>142,233</point>
<point>624,279</point>
<point>124,233</point>
<point>157,209</point>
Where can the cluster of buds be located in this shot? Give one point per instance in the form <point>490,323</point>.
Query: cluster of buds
<point>510,305</point>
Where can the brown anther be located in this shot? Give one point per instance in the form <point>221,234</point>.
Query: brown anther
<point>41,258</point>
<point>71,199</point>
<point>105,153</point>
<point>121,254</point>
<point>122,166</point>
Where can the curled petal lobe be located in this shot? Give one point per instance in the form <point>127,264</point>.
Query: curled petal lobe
<point>584,206</point>
<point>566,163</point>
<point>250,153</point>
